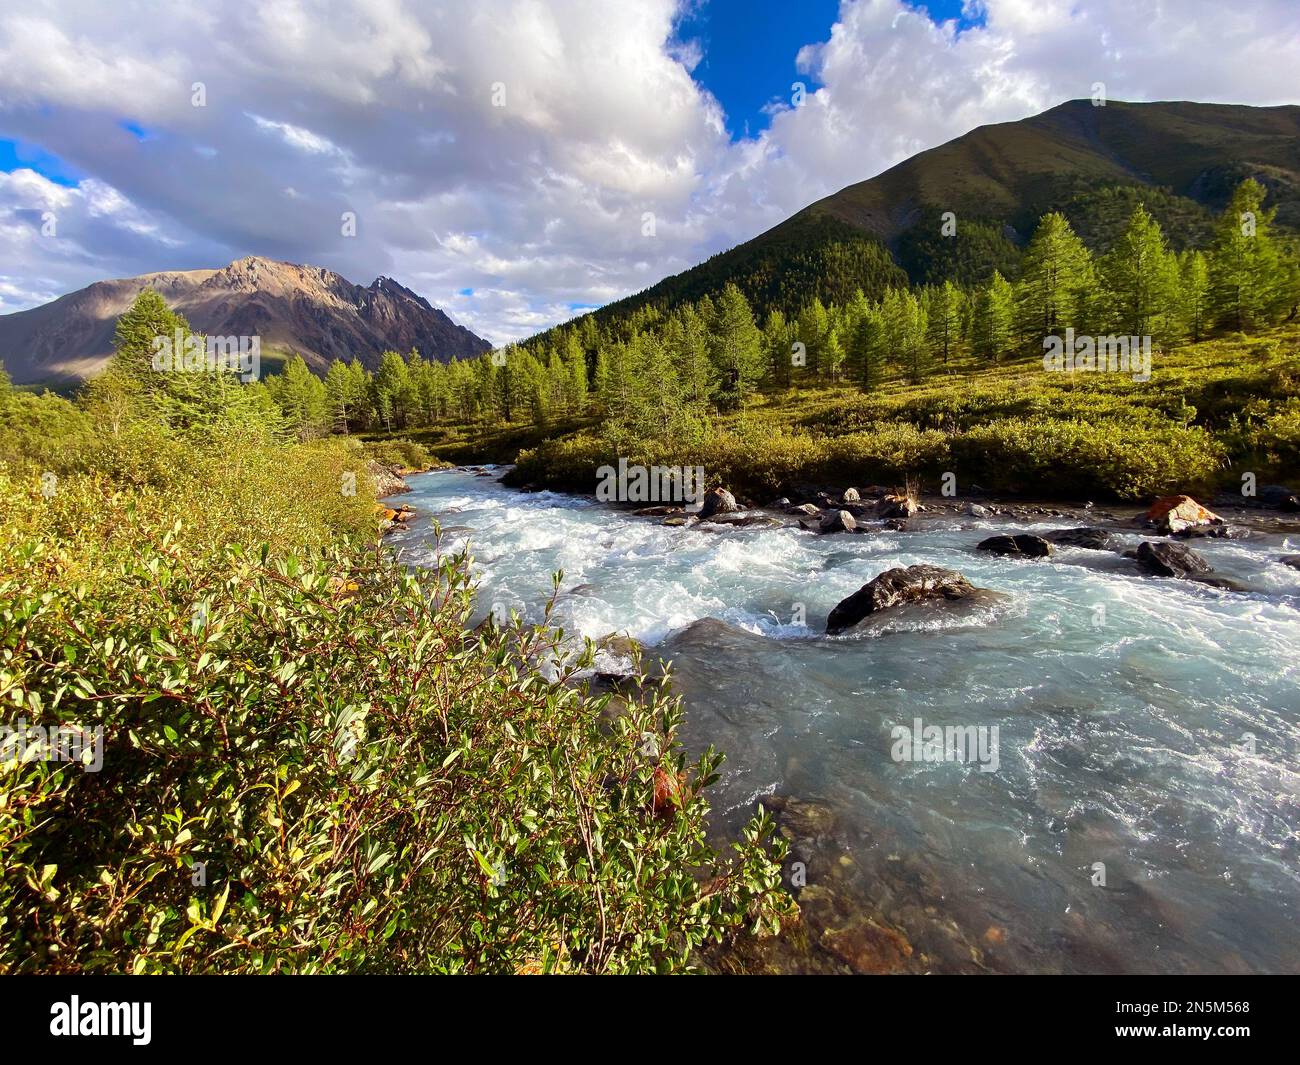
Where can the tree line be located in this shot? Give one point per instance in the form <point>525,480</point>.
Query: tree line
<point>657,372</point>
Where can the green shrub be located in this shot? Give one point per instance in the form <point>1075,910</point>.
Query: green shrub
<point>368,788</point>
<point>407,454</point>
<point>1083,460</point>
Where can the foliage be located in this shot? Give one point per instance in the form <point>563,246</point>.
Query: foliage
<point>368,789</point>
<point>186,563</point>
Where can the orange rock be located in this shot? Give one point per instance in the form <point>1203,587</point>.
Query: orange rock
<point>1173,513</point>
<point>994,935</point>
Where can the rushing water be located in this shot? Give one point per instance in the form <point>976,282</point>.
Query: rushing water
<point>1122,702</point>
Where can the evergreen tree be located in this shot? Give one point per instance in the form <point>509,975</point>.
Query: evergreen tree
<point>1193,293</point>
<point>776,342</point>
<point>300,396</point>
<point>1140,278</point>
<point>738,350</point>
<point>813,324</point>
<point>575,362</point>
<point>992,320</point>
<point>867,353</point>
<point>833,353</point>
<point>338,397</point>
<point>391,390</point>
<point>688,342</point>
<point>944,312</point>
<point>1054,281</point>
<point>1245,267</point>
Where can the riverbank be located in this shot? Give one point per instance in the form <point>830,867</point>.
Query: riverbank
<point>1213,416</point>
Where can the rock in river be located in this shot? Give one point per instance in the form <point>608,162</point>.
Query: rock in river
<point>1171,560</point>
<point>1022,545</point>
<point>1175,513</point>
<point>895,587</point>
<point>837,521</point>
<point>717,501</point>
<point>896,505</point>
<point>1093,539</point>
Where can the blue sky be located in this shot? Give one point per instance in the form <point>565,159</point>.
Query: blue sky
<point>749,50</point>
<point>15,155</point>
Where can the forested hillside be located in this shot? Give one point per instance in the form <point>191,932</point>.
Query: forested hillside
<point>670,378</point>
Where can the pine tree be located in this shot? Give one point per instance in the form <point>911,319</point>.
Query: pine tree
<point>944,311</point>
<point>575,362</point>
<point>1246,278</point>
<point>657,389</point>
<point>688,342</point>
<point>1193,293</point>
<point>738,350</point>
<point>1140,278</point>
<point>301,397</point>
<point>776,342</point>
<point>338,397</point>
<point>147,327</point>
<point>833,352</point>
<point>1054,280</point>
<point>867,350</point>
<point>813,324</point>
<point>391,390</point>
<point>991,323</point>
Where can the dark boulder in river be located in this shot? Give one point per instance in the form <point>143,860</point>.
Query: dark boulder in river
<point>1290,560</point>
<point>1093,539</point>
<point>896,505</point>
<point>1022,545</point>
<point>717,501</point>
<point>837,521</point>
<point>1221,532</point>
<point>1171,560</point>
<point>896,587</point>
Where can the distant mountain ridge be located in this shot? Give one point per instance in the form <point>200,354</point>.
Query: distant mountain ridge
<point>1092,163</point>
<point>308,310</point>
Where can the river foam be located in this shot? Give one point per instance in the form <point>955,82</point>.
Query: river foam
<point>1149,725</point>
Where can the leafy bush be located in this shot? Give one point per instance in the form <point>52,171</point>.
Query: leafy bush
<point>407,454</point>
<point>1069,458</point>
<point>369,788</point>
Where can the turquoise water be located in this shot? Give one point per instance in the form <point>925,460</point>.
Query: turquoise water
<point>1125,707</point>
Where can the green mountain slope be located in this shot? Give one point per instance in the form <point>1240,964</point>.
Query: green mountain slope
<point>1091,163</point>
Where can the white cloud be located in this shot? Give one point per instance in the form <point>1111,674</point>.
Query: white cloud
<point>296,136</point>
<point>385,108</point>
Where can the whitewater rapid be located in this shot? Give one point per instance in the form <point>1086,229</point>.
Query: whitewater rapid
<point>1148,725</point>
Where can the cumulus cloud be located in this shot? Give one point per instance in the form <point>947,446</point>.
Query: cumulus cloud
<point>515,149</point>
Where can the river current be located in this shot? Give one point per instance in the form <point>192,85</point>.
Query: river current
<point>1143,814</point>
